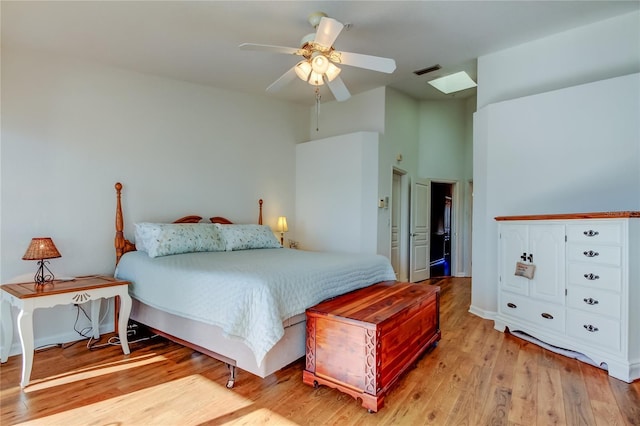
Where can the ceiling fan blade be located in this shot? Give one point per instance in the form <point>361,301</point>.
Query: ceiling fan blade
<point>328,31</point>
<point>284,79</point>
<point>339,90</point>
<point>269,48</point>
<point>375,63</point>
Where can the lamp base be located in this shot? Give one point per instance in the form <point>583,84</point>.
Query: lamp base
<point>41,278</point>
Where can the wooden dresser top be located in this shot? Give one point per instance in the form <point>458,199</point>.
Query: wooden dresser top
<point>595,215</point>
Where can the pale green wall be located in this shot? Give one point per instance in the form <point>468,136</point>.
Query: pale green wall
<point>446,154</point>
<point>400,137</point>
<point>444,140</point>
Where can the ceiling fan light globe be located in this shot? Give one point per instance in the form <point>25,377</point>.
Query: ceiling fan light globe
<point>332,72</point>
<point>316,79</point>
<point>303,69</point>
<point>320,64</point>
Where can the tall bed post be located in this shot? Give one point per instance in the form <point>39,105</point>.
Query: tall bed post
<point>260,215</point>
<point>119,242</point>
<point>122,245</point>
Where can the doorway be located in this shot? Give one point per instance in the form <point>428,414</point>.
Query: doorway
<point>441,226</point>
<point>400,224</point>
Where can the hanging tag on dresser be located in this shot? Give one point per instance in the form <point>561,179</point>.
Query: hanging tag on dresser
<point>525,270</point>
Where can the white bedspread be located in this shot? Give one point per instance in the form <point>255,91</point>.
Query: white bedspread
<point>248,293</point>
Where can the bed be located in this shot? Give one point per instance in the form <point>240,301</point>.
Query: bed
<point>232,291</point>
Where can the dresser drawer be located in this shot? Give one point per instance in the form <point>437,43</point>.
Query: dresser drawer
<point>544,314</point>
<point>596,276</point>
<point>594,301</point>
<point>595,233</point>
<point>604,333</point>
<point>593,253</point>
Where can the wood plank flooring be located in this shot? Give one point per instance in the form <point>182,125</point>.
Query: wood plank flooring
<point>476,376</point>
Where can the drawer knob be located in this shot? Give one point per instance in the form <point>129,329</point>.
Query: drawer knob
<point>590,301</point>
<point>592,276</point>
<point>591,253</point>
<point>512,305</point>
<point>590,328</point>
<point>546,315</point>
<point>590,233</point>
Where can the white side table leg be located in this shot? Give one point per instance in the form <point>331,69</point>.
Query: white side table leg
<point>7,330</point>
<point>95,317</point>
<point>25,329</point>
<point>123,321</point>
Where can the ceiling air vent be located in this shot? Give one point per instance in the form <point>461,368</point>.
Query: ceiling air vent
<point>427,70</point>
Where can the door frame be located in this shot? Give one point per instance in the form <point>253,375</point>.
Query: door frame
<point>455,218</point>
<point>403,231</point>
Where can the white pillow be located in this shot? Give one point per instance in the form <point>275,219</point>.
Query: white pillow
<point>244,237</point>
<point>163,239</point>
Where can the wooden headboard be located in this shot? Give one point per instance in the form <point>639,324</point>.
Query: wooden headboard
<point>123,245</point>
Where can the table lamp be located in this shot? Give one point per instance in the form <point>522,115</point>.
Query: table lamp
<point>282,228</point>
<point>41,249</point>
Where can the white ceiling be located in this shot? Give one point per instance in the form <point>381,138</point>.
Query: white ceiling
<point>197,41</point>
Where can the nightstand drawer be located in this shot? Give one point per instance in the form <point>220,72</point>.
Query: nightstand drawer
<point>595,330</point>
<point>594,301</point>
<point>596,276</point>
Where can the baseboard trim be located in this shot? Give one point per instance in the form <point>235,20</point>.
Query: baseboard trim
<point>490,315</point>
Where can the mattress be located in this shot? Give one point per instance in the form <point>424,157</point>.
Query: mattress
<point>248,293</point>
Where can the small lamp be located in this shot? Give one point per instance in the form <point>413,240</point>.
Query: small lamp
<point>282,228</point>
<point>41,249</point>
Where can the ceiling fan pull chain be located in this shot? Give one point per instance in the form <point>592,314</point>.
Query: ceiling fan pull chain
<point>317,108</point>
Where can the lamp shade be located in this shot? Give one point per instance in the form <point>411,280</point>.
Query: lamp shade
<point>320,63</point>
<point>332,72</point>
<point>41,248</point>
<point>303,69</point>
<point>282,224</point>
<point>316,79</point>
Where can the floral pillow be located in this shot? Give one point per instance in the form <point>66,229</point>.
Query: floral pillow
<point>244,237</point>
<point>163,239</point>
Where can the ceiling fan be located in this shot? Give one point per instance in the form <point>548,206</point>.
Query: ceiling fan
<point>320,59</point>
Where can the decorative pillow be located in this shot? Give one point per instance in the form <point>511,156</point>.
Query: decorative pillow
<point>163,239</point>
<point>244,237</point>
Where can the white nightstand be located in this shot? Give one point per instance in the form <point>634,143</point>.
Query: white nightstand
<point>28,297</point>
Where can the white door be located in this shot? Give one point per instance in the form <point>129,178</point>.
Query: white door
<point>420,197</point>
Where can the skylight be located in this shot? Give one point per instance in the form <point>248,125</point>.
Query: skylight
<point>453,82</point>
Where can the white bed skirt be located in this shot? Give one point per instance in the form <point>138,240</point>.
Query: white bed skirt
<point>288,349</point>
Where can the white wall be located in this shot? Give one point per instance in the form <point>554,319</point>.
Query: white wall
<point>605,49</point>
<point>564,60</point>
<point>400,138</point>
<point>336,192</point>
<point>71,129</point>
<point>443,140</point>
<point>446,150</point>
<point>362,112</point>
<point>567,151</point>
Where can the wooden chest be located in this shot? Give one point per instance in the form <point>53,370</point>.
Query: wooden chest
<point>361,342</point>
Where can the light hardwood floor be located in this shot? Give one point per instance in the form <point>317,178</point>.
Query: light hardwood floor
<point>476,376</point>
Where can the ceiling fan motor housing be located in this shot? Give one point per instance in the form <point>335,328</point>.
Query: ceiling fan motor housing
<point>315,17</point>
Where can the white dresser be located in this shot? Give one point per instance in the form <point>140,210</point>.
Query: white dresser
<point>584,294</point>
